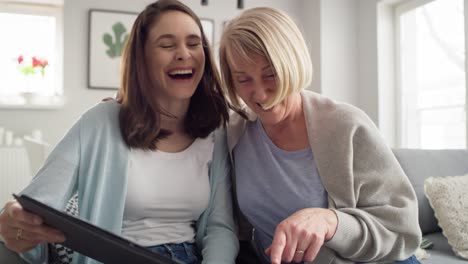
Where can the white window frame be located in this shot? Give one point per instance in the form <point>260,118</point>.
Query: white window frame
<point>53,10</point>
<point>401,8</point>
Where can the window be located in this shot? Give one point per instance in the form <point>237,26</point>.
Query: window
<point>431,73</point>
<point>31,55</point>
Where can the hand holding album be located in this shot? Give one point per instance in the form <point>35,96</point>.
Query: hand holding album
<point>90,240</point>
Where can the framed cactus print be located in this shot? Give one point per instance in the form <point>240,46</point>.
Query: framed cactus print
<point>108,33</point>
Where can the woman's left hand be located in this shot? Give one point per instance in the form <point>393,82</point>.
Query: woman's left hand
<point>300,236</point>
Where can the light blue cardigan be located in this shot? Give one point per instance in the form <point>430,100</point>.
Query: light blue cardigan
<point>92,159</point>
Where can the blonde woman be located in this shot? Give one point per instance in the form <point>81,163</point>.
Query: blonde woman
<point>314,179</point>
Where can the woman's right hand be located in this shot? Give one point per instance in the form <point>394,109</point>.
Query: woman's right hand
<point>22,231</point>
<point>117,98</point>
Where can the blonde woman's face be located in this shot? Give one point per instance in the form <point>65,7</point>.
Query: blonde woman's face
<point>175,57</point>
<point>255,84</point>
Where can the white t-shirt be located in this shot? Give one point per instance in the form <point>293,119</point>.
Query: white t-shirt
<point>167,193</point>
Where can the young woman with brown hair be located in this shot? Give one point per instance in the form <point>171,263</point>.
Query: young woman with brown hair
<point>153,168</point>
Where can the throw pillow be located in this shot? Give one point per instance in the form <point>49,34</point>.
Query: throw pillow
<point>59,254</point>
<point>448,197</point>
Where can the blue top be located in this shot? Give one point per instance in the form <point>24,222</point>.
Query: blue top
<point>272,183</point>
<point>92,160</point>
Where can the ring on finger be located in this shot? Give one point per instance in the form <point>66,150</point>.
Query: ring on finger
<point>300,252</point>
<point>19,234</point>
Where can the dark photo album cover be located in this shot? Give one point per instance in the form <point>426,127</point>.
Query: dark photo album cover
<point>90,240</point>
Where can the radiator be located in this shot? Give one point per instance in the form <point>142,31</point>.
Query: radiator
<point>15,172</point>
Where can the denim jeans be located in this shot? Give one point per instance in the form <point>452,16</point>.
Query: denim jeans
<point>410,260</point>
<point>186,253</point>
<point>248,254</point>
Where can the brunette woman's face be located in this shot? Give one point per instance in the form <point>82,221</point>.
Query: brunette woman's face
<point>174,56</point>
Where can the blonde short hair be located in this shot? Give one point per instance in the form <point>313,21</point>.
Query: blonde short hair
<point>274,35</point>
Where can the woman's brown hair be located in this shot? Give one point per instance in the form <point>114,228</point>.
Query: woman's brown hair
<point>140,116</point>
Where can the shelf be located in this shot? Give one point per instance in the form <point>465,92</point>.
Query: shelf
<point>44,103</point>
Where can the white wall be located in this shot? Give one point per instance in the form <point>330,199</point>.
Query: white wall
<point>310,26</point>
<point>377,86</point>
<point>387,101</point>
<point>331,30</point>
<point>368,68</point>
<point>339,50</point>
<point>55,123</point>
<point>352,53</point>
<point>343,38</point>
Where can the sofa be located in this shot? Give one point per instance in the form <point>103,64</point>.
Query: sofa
<point>418,165</point>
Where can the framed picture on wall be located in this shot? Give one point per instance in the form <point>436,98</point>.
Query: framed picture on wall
<point>108,33</point>
<point>208,28</point>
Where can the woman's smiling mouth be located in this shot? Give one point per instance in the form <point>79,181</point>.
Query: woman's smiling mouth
<point>179,74</point>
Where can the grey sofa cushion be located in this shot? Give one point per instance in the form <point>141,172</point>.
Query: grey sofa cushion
<point>441,252</point>
<point>421,164</point>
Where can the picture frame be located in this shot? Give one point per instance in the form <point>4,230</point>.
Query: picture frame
<point>208,28</point>
<point>108,31</point>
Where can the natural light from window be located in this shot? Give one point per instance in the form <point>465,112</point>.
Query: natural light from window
<point>432,70</point>
<point>28,58</point>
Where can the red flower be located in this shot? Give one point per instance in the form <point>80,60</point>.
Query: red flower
<point>44,63</point>
<point>32,65</point>
<point>39,62</point>
<point>35,62</point>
